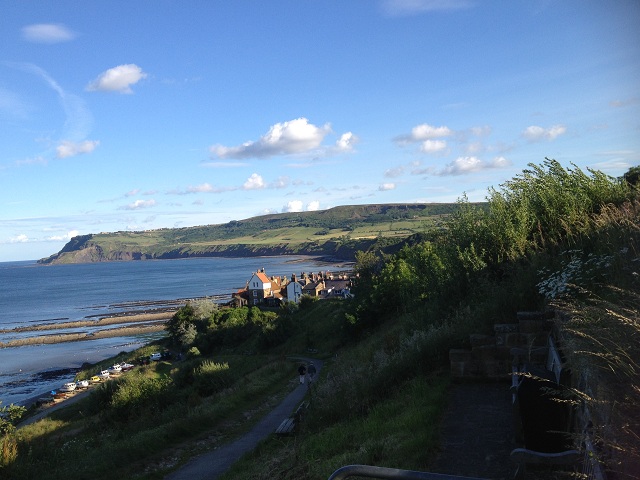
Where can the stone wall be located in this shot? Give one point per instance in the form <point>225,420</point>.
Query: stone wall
<point>491,356</point>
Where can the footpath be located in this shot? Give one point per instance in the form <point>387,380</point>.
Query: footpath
<point>476,435</point>
<point>212,464</point>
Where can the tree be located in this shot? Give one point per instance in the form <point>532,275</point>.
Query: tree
<point>9,416</point>
<point>181,325</point>
<point>632,177</point>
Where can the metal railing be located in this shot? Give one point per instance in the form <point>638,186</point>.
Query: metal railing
<point>385,473</point>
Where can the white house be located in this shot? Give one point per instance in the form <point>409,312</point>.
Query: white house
<point>259,288</point>
<point>294,291</point>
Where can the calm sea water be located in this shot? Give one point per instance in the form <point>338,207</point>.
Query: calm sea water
<point>34,294</point>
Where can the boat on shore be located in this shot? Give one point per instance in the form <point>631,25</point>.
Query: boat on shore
<point>82,384</point>
<point>68,387</point>
<point>95,379</point>
<point>126,366</point>
<point>115,369</point>
<point>104,374</point>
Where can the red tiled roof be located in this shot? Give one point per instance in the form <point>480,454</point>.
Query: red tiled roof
<point>262,277</point>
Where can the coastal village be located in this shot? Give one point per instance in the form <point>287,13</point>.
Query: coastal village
<point>262,290</point>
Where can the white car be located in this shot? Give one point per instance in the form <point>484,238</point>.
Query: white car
<point>155,356</point>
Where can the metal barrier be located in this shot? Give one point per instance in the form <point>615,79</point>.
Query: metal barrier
<point>385,473</point>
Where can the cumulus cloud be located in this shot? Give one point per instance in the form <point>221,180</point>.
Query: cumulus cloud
<point>346,142</point>
<point>433,146</point>
<point>414,7</point>
<point>297,206</point>
<point>313,206</point>
<point>47,33</point>
<point>535,133</point>
<point>292,206</point>
<point>117,79</point>
<point>22,238</point>
<point>254,182</point>
<point>387,186</point>
<point>68,236</point>
<point>423,132</point>
<point>139,204</point>
<point>466,165</point>
<point>294,137</point>
<point>71,149</point>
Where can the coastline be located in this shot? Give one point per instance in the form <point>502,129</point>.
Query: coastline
<point>129,324</point>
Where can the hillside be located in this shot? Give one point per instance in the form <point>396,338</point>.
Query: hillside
<point>552,240</point>
<point>337,232</point>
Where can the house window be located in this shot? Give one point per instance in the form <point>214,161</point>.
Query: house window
<point>255,294</point>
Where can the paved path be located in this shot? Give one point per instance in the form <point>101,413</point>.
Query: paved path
<point>212,464</point>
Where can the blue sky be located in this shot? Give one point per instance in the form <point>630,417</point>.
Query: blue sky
<point>134,115</point>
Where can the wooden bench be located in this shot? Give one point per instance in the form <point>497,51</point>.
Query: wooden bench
<point>542,421</point>
<point>289,425</point>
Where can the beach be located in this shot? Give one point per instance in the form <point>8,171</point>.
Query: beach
<point>57,318</point>
<point>117,326</point>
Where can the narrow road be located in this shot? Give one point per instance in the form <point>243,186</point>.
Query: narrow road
<point>212,464</point>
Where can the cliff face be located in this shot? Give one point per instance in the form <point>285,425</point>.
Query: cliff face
<point>88,252</point>
<point>338,233</point>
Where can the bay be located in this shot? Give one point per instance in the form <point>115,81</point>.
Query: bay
<point>32,294</point>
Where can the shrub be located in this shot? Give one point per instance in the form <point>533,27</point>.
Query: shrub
<point>211,377</point>
<point>193,352</point>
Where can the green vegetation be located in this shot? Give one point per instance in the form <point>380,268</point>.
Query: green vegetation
<point>550,237</point>
<point>337,232</point>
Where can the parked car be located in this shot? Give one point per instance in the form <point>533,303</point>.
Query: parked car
<point>155,356</point>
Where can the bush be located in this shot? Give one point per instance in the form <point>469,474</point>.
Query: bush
<point>193,352</point>
<point>211,377</point>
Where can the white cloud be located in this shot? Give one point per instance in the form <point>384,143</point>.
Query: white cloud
<point>346,142</point>
<point>313,206</point>
<point>47,33</point>
<point>287,138</point>
<point>117,79</point>
<point>394,172</point>
<point>466,165</point>
<point>139,204</point>
<point>535,133</point>
<point>500,162</point>
<point>254,182</point>
<point>387,186</point>
<point>423,132</point>
<point>22,238</point>
<point>202,188</point>
<point>68,236</point>
<point>292,206</point>
<point>433,146</point>
<point>71,149</point>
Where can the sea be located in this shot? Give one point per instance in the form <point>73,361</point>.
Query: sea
<point>33,294</point>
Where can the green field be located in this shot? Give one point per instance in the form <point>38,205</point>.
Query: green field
<point>338,232</point>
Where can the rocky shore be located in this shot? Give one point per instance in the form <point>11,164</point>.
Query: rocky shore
<point>125,324</point>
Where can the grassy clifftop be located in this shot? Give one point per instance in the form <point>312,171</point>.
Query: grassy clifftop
<point>337,232</point>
